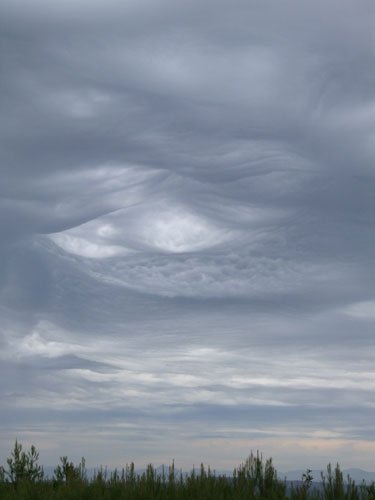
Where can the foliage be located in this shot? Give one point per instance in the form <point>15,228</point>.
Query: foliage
<point>301,492</point>
<point>67,472</point>
<point>259,480</point>
<point>23,466</point>
<point>253,480</point>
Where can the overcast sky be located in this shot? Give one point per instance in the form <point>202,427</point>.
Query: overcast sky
<point>187,214</point>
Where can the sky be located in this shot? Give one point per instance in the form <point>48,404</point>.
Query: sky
<point>187,213</point>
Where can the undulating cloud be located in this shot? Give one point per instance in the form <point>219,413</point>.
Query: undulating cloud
<point>186,230</point>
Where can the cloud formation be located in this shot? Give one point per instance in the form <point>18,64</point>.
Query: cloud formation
<point>186,243</point>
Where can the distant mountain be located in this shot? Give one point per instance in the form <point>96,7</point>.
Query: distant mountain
<point>359,475</point>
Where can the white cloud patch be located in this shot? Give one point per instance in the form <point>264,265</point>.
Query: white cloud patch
<point>362,310</point>
<point>176,230</point>
<point>85,248</point>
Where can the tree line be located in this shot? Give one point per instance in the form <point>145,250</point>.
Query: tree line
<point>22,477</point>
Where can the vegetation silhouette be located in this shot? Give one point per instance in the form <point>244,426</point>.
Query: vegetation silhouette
<point>23,478</point>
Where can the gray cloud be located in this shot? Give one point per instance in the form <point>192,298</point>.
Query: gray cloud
<point>186,214</point>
